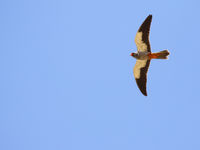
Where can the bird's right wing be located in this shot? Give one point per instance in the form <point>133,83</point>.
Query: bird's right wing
<point>142,36</point>
<point>140,73</point>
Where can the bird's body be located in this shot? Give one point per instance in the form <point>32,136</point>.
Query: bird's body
<point>148,55</point>
<point>144,54</point>
<point>141,55</point>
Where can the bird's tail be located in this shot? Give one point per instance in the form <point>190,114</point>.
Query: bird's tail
<point>160,55</point>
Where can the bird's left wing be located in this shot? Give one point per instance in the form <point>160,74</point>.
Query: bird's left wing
<point>140,73</point>
<point>142,36</point>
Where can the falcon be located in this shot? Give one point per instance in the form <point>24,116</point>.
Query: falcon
<point>144,55</point>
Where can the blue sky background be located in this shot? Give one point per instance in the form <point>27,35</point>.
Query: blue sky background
<point>66,80</point>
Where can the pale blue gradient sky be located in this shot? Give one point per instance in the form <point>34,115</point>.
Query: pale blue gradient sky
<point>67,80</point>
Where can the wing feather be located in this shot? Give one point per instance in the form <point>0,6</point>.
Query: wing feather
<point>142,36</point>
<point>140,73</point>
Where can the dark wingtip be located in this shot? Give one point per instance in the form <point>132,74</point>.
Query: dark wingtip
<point>150,16</point>
<point>144,93</point>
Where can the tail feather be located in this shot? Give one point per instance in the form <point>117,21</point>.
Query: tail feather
<point>160,55</point>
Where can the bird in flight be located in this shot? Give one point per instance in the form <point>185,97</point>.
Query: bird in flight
<point>144,55</point>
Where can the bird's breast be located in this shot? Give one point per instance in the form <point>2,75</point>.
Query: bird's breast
<point>143,55</point>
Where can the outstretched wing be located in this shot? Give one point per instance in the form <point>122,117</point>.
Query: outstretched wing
<point>142,36</point>
<point>140,74</point>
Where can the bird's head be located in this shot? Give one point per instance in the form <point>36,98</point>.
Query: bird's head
<point>134,55</point>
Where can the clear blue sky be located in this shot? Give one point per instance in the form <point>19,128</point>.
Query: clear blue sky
<point>66,80</point>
